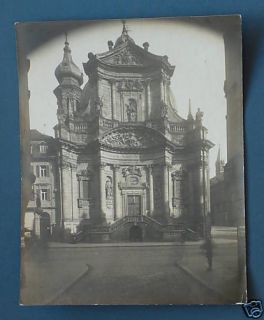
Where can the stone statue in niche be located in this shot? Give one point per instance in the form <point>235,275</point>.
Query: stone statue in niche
<point>99,106</point>
<point>131,110</point>
<point>108,188</point>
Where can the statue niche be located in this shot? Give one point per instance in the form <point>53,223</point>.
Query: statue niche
<point>108,188</point>
<point>109,192</point>
<point>131,110</point>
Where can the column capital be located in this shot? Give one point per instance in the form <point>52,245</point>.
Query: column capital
<point>113,81</point>
<point>102,165</point>
<point>166,165</point>
<point>147,81</point>
<point>150,167</point>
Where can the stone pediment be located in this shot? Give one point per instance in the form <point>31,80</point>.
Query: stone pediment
<point>132,138</point>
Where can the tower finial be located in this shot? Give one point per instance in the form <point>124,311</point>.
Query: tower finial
<point>66,37</point>
<point>124,31</point>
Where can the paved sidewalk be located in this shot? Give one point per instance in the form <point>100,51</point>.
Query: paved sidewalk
<point>223,278</point>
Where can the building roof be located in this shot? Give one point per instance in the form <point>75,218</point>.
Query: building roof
<point>35,135</point>
<point>126,54</point>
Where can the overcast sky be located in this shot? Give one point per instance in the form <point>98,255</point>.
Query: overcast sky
<point>197,53</point>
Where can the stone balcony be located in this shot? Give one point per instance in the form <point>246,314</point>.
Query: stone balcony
<point>106,124</point>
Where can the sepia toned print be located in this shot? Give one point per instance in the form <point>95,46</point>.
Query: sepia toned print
<point>126,194</point>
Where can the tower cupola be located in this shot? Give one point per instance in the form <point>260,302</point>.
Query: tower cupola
<point>124,36</point>
<point>67,71</point>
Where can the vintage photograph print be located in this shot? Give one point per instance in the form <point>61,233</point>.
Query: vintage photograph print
<point>132,163</point>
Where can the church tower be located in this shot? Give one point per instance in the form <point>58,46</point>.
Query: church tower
<point>68,92</point>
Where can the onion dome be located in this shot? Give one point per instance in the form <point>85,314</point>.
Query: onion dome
<point>124,37</point>
<point>67,69</point>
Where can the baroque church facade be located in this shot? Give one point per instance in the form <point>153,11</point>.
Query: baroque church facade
<point>128,164</point>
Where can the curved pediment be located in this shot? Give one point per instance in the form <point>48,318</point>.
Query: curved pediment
<point>132,138</point>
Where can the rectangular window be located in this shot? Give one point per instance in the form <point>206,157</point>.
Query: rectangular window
<point>43,171</point>
<point>45,194</point>
<point>43,148</point>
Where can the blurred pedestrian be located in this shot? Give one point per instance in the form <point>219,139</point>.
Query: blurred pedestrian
<point>209,252</point>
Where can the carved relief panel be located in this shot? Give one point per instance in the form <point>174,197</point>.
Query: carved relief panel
<point>132,178</point>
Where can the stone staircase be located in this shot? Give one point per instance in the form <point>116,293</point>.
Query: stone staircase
<point>159,231</point>
<point>135,220</point>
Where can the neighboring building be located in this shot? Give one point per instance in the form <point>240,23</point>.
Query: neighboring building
<point>219,207</point>
<point>129,165</point>
<point>43,200</point>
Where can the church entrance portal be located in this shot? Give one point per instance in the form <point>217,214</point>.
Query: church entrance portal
<point>134,205</point>
<point>135,233</point>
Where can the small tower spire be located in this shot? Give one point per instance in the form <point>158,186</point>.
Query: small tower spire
<point>190,116</point>
<point>219,164</point>
<point>124,31</point>
<point>219,154</point>
<point>66,37</point>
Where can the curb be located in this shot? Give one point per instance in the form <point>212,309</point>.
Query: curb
<point>145,244</point>
<point>67,287</point>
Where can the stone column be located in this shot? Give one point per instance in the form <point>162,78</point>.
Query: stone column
<point>166,190</point>
<point>151,197</point>
<point>117,210</point>
<point>162,98</point>
<point>113,99</point>
<point>102,207</point>
<point>173,186</point>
